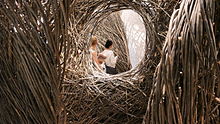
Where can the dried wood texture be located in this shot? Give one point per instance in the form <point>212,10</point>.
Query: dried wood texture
<point>47,76</point>
<point>92,97</point>
<point>185,82</point>
<point>44,42</point>
<point>33,34</point>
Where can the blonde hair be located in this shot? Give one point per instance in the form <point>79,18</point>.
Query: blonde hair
<point>94,41</point>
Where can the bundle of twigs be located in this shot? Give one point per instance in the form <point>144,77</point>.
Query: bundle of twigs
<point>110,100</point>
<point>33,36</point>
<point>185,84</point>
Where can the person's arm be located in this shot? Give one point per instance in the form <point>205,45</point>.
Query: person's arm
<point>94,57</point>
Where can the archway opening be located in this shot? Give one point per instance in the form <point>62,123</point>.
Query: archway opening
<point>106,98</point>
<point>126,29</point>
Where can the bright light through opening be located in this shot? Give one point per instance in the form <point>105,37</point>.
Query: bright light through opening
<point>136,35</point>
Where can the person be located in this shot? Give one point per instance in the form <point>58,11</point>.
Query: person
<point>111,59</point>
<point>93,49</point>
<point>100,61</point>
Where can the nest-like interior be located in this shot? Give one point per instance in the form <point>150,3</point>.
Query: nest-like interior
<point>47,76</point>
<point>110,98</point>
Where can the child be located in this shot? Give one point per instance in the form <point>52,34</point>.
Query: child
<point>111,59</point>
<point>93,49</point>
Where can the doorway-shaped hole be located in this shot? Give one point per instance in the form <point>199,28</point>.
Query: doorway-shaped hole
<point>127,31</point>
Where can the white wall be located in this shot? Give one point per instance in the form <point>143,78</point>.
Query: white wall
<point>136,35</point>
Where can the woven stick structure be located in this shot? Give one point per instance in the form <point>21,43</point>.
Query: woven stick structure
<point>104,98</point>
<point>32,38</point>
<point>47,76</point>
<point>185,79</point>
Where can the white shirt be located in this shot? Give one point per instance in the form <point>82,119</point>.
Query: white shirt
<point>110,58</point>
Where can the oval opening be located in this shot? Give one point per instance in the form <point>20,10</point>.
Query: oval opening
<point>126,29</point>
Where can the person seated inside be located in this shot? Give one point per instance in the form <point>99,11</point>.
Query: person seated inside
<point>101,62</point>
<point>111,59</point>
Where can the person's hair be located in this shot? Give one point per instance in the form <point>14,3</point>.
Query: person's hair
<point>94,41</point>
<point>101,56</point>
<point>108,43</point>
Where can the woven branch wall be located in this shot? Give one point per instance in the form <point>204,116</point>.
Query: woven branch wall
<point>185,79</point>
<point>46,73</point>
